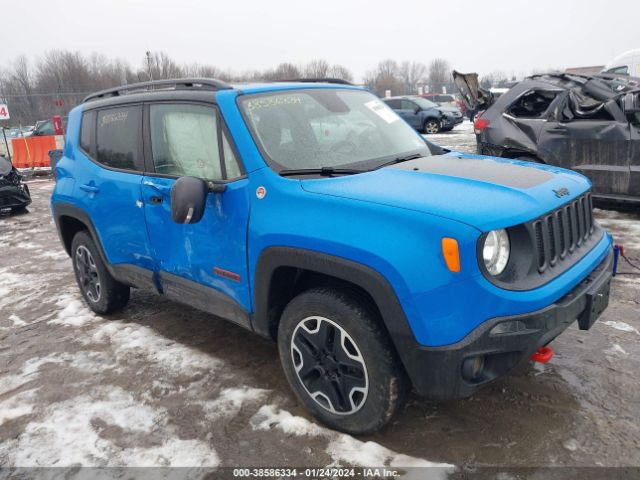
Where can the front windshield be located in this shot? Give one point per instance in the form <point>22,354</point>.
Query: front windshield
<point>424,103</point>
<point>315,128</point>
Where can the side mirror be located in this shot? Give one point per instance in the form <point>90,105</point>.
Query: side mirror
<point>631,103</point>
<point>417,110</point>
<point>188,199</point>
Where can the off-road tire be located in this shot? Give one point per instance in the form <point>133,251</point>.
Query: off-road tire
<point>388,384</point>
<point>113,295</point>
<point>431,126</point>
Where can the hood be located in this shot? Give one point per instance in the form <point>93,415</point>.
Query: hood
<point>483,192</point>
<point>448,109</point>
<point>474,97</point>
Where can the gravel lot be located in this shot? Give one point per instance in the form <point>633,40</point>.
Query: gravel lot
<point>160,384</point>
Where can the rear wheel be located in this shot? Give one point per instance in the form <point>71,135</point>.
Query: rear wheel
<point>339,361</point>
<point>431,126</point>
<point>101,291</point>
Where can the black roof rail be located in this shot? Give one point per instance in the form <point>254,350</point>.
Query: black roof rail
<point>176,83</point>
<point>318,80</point>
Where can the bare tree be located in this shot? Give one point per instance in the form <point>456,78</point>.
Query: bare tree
<point>340,71</point>
<point>385,77</point>
<point>411,74</point>
<point>161,66</point>
<point>317,69</point>
<point>439,73</point>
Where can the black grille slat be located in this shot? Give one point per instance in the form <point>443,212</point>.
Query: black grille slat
<point>540,245</point>
<point>562,232</point>
<point>553,249</point>
<point>580,222</point>
<point>559,234</point>
<point>571,222</point>
<point>590,213</point>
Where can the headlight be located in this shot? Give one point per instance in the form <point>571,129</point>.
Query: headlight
<point>495,251</point>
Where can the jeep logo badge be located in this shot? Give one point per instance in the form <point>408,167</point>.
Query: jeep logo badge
<point>561,192</point>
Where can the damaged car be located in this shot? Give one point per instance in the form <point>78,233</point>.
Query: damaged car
<point>14,195</point>
<point>590,124</point>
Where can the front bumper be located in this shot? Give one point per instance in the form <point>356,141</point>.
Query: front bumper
<point>447,122</point>
<point>441,368</point>
<point>12,196</point>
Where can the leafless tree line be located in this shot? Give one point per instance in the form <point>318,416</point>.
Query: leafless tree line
<point>60,79</point>
<point>407,77</point>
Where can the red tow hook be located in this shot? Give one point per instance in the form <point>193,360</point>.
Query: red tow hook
<point>543,355</point>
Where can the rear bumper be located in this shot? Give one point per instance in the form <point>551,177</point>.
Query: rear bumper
<point>441,368</point>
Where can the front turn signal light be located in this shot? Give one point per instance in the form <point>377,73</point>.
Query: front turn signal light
<point>451,254</point>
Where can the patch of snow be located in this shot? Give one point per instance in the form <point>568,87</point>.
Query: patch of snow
<point>344,448</point>
<point>571,444</point>
<point>11,382</point>
<point>29,246</point>
<point>74,314</point>
<point>616,350</point>
<point>623,327</point>
<point>17,321</point>
<point>130,340</point>
<point>33,365</point>
<point>172,453</point>
<point>17,406</point>
<point>350,450</point>
<point>58,255</point>
<point>270,417</point>
<point>231,400</point>
<point>65,434</point>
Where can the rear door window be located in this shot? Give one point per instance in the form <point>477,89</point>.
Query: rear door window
<point>118,138</point>
<point>532,104</point>
<point>408,105</point>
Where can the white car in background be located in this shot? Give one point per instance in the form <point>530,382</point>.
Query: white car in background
<point>627,63</point>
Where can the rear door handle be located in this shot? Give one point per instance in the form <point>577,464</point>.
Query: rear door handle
<point>89,188</point>
<point>155,200</point>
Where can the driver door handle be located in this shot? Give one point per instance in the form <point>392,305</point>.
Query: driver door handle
<point>160,188</point>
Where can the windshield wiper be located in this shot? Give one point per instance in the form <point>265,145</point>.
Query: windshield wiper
<point>323,171</point>
<point>406,158</point>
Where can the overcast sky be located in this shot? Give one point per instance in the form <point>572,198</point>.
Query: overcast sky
<point>509,35</point>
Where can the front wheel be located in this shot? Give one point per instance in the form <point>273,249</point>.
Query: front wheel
<point>431,126</point>
<point>339,361</point>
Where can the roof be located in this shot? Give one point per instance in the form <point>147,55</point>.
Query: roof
<point>213,85</point>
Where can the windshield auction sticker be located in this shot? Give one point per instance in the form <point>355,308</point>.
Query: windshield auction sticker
<point>272,101</point>
<point>384,112</point>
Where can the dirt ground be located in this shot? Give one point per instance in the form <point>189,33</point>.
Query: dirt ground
<point>161,384</point>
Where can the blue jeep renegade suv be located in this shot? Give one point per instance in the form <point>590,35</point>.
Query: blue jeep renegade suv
<point>311,214</point>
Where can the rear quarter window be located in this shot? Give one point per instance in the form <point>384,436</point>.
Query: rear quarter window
<point>118,138</point>
<point>86,131</point>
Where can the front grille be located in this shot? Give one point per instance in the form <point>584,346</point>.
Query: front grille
<point>560,233</point>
